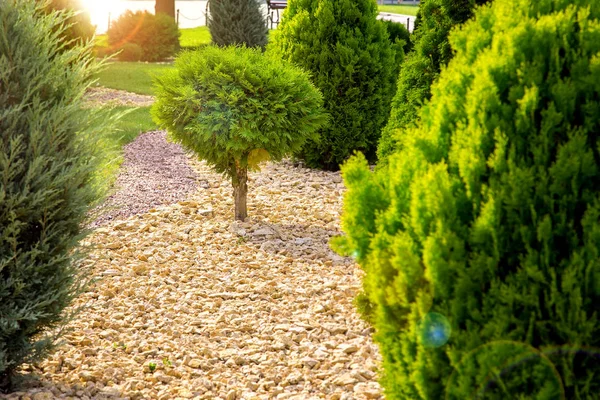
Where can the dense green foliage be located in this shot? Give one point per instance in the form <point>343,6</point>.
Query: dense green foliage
<point>131,52</point>
<point>233,106</point>
<point>400,38</point>
<point>157,35</point>
<point>237,22</point>
<point>47,164</point>
<point>483,230</point>
<point>422,66</point>
<point>80,28</point>
<point>351,60</point>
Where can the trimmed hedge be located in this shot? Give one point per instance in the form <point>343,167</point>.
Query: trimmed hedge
<point>481,238</point>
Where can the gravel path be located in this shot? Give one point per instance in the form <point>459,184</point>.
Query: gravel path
<point>100,96</point>
<point>191,305</point>
<point>154,172</point>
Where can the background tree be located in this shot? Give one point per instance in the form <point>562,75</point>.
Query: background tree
<point>235,107</point>
<point>47,165</point>
<point>480,241</point>
<point>236,22</point>
<point>150,37</point>
<point>351,60</point>
<point>165,7</point>
<point>431,52</point>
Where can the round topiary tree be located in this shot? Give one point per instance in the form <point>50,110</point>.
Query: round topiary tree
<point>423,65</point>
<point>235,107</point>
<point>47,166</point>
<point>351,60</point>
<point>238,22</point>
<point>481,240</point>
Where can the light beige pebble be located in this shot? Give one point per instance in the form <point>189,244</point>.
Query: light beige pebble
<point>260,309</point>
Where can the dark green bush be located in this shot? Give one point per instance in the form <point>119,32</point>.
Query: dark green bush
<point>400,39</point>
<point>481,239</point>
<point>398,35</point>
<point>157,35</point>
<point>351,60</point>
<point>80,28</point>
<point>238,22</point>
<point>47,164</point>
<point>235,107</point>
<point>422,66</point>
<point>131,52</point>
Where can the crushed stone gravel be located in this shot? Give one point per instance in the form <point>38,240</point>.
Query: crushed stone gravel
<point>154,172</point>
<point>101,96</point>
<point>191,305</point>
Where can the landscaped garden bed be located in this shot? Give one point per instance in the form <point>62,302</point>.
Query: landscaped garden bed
<point>190,304</point>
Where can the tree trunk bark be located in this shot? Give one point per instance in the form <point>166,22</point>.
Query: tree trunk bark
<point>240,190</point>
<point>165,7</point>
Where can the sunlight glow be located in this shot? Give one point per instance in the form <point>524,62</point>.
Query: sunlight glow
<point>100,10</point>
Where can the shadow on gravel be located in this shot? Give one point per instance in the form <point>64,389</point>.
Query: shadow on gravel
<point>301,242</point>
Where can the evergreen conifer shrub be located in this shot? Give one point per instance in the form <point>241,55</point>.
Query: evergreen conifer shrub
<point>157,35</point>
<point>238,22</point>
<point>422,66</point>
<point>351,60</point>
<point>480,241</point>
<point>235,107</point>
<point>47,166</point>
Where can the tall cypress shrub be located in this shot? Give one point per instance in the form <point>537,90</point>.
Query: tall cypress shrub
<point>47,165</point>
<point>352,62</point>
<point>422,66</point>
<point>238,22</point>
<point>481,239</point>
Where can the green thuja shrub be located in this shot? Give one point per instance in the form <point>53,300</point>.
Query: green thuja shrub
<point>351,60</point>
<point>480,241</point>
<point>398,35</point>
<point>235,107</point>
<point>238,22</point>
<point>400,39</point>
<point>79,26</point>
<point>422,66</point>
<point>47,171</point>
<point>157,35</point>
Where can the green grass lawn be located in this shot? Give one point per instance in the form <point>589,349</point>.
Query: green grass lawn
<point>133,77</point>
<point>400,9</point>
<point>127,128</point>
<point>194,37</point>
<point>190,38</point>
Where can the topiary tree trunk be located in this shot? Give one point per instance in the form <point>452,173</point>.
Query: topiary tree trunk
<point>240,189</point>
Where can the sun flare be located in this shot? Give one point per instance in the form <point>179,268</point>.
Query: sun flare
<point>100,12</point>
